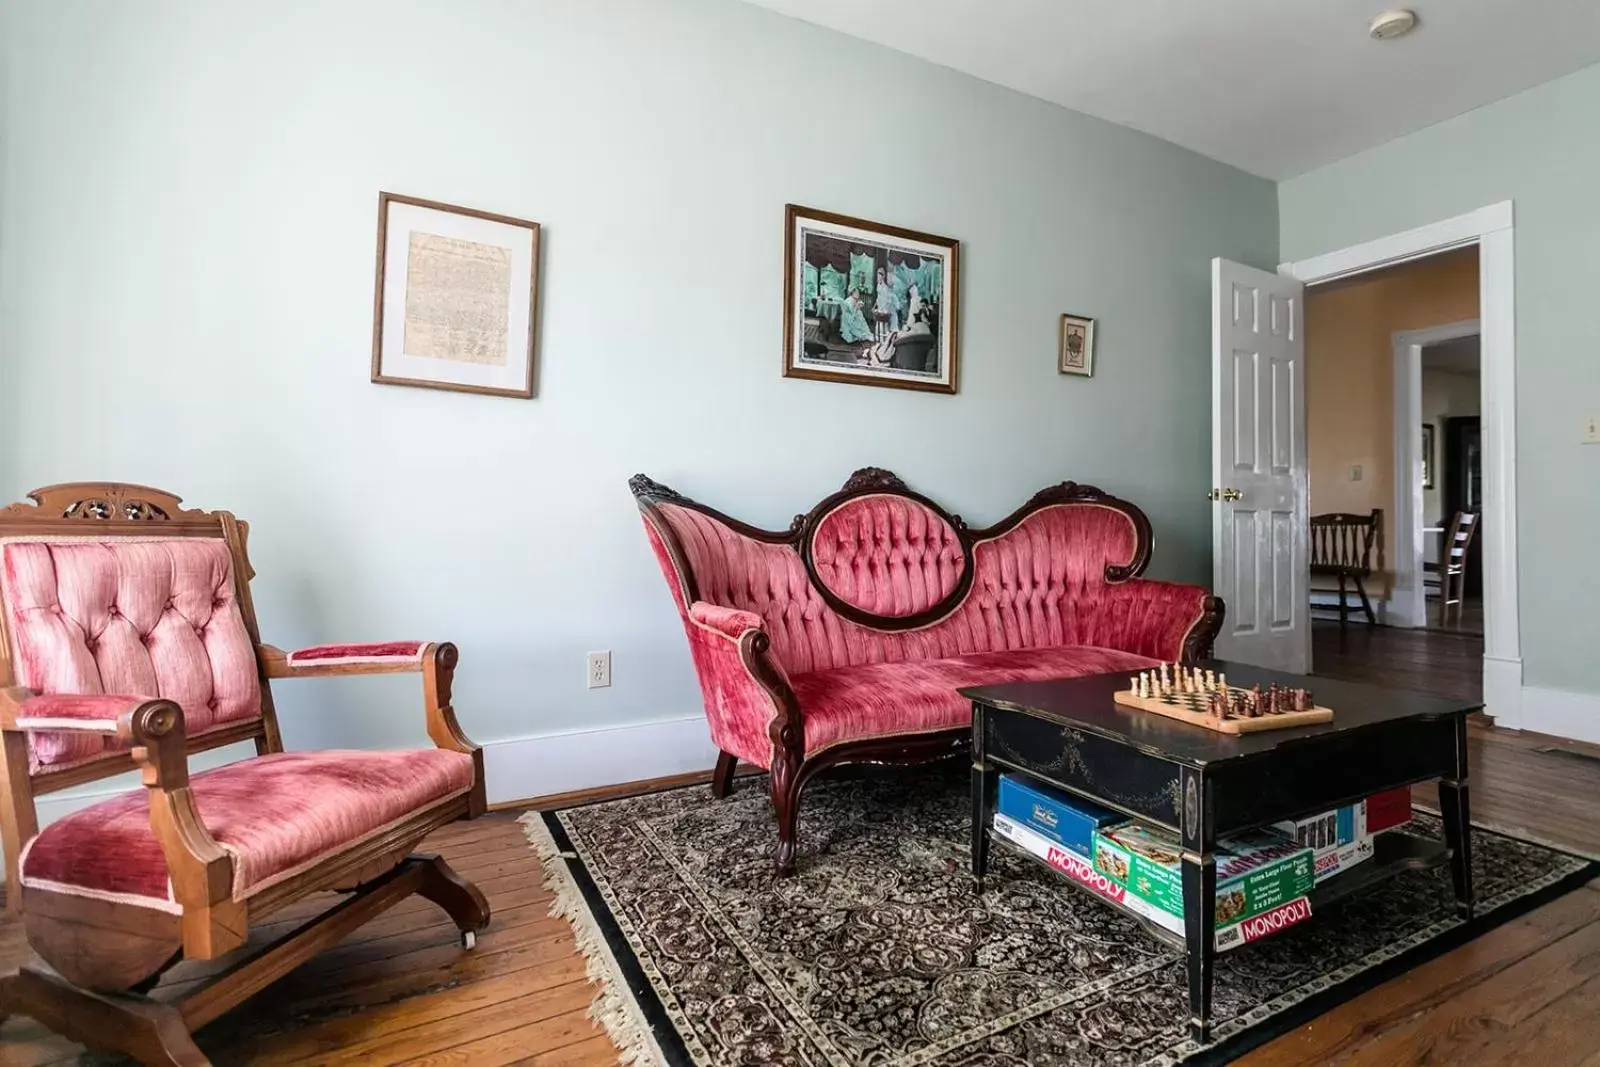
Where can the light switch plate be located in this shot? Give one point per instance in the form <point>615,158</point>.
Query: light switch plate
<point>1591,430</point>
<point>1355,472</point>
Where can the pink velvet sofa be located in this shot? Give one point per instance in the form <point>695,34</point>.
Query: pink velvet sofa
<point>846,637</point>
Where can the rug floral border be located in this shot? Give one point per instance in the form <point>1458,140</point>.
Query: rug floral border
<point>671,1041</point>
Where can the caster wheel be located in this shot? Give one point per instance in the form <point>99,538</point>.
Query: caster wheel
<point>469,939</point>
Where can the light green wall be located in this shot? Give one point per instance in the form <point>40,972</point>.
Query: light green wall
<point>1540,149</point>
<point>192,197</point>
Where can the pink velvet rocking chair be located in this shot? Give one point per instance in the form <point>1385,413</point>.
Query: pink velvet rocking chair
<point>128,640</point>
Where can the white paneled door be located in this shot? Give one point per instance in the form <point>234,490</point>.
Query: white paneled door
<point>1258,466</point>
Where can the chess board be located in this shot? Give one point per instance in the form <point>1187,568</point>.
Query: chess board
<point>1192,708</point>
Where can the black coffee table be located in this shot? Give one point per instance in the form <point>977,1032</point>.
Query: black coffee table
<point>1203,785</point>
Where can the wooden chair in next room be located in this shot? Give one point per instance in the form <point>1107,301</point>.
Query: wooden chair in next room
<point>1341,547</point>
<point>128,642</point>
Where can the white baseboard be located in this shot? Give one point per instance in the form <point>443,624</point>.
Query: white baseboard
<point>1555,711</point>
<point>522,767</point>
<point>1503,694</point>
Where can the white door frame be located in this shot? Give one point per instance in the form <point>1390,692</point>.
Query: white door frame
<point>1491,229</point>
<point>1407,605</point>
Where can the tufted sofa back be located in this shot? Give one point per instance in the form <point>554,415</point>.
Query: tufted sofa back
<point>886,577</point>
<point>139,616</point>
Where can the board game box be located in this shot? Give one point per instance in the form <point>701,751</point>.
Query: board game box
<point>1064,819</point>
<point>1387,810</point>
<point>1256,872</point>
<point>1080,870</point>
<point>1338,839</point>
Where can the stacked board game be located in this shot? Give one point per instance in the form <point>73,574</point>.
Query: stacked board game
<point>1338,839</point>
<point>1230,932</point>
<point>1204,698</point>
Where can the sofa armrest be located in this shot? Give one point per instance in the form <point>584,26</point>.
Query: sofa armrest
<point>749,704</point>
<point>1168,621</point>
<point>731,623</point>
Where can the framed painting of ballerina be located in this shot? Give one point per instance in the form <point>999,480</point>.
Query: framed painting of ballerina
<point>869,304</point>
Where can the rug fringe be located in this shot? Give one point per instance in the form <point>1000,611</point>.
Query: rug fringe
<point>614,1008</point>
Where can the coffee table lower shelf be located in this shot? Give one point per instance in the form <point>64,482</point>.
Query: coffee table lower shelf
<point>1393,852</point>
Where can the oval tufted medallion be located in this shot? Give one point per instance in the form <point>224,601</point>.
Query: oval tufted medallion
<point>890,557</point>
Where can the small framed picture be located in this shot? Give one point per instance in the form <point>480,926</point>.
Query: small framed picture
<point>1427,455</point>
<point>1077,346</point>
<point>867,303</point>
<point>456,298</point>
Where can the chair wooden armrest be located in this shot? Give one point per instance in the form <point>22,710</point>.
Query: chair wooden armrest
<point>435,660</point>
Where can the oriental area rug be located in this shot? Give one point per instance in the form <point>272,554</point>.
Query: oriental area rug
<point>877,952</point>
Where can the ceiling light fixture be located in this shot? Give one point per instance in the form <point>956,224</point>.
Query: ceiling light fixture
<point>1392,24</point>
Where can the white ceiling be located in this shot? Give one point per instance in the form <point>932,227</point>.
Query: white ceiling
<point>1275,87</point>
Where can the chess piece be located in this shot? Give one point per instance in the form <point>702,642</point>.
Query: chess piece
<point>1222,682</point>
<point>1255,701</point>
<point>1211,680</point>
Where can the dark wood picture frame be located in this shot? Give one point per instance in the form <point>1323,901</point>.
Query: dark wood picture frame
<point>1428,464</point>
<point>526,391</point>
<point>1089,328</point>
<point>949,302</point>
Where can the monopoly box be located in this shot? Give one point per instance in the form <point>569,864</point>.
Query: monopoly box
<point>1338,839</point>
<point>1078,868</point>
<point>1064,819</point>
<point>1256,872</point>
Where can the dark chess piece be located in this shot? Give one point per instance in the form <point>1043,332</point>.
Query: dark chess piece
<point>1256,709</point>
<point>1302,700</point>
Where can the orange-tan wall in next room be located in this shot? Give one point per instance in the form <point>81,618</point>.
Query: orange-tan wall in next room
<point>1350,375</point>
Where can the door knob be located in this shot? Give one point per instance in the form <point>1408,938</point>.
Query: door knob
<point>1224,494</point>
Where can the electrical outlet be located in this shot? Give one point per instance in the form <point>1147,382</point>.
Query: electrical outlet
<point>1591,430</point>
<point>599,670</point>
<point>1355,472</point>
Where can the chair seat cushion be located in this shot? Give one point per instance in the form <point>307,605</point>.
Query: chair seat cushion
<point>889,699</point>
<point>275,815</point>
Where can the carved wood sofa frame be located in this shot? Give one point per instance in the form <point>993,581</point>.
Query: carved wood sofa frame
<point>104,956</point>
<point>791,769</point>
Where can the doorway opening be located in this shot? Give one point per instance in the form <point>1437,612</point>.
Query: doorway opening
<point>1388,358</point>
<point>1450,633</point>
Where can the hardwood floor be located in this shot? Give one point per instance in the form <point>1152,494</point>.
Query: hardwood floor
<point>401,991</point>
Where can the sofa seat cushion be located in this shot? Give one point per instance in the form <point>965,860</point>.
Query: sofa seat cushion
<point>889,699</point>
<point>275,815</point>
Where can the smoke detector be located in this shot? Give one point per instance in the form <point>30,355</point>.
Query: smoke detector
<point>1392,24</point>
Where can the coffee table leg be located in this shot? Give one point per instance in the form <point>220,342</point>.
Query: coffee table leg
<point>1458,836</point>
<point>1199,909</point>
<point>984,782</point>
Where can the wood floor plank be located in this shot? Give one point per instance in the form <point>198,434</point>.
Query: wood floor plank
<point>596,1051</point>
<point>1565,1031</point>
<point>428,1024</point>
<point>1356,1024</point>
<point>1457,1030</point>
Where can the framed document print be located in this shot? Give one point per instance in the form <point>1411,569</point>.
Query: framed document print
<point>456,302</point>
<point>867,303</point>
